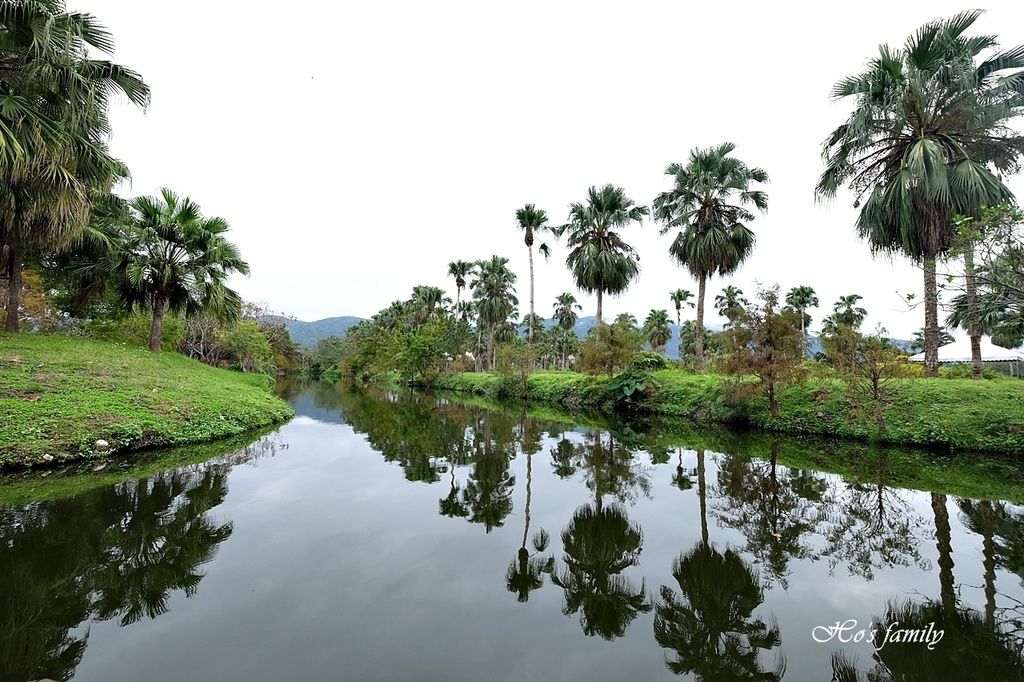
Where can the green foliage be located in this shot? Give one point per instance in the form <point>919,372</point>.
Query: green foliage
<point>609,348</point>
<point>648,361</point>
<point>767,344</point>
<point>58,395</point>
<point>630,387</point>
<point>134,330</point>
<point>247,347</point>
<point>963,371</point>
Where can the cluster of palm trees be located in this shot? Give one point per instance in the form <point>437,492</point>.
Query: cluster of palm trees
<point>157,254</point>
<point>54,159</point>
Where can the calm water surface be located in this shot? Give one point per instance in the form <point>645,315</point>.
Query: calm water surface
<point>381,536</point>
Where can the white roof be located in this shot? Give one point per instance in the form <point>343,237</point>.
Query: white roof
<point>960,351</point>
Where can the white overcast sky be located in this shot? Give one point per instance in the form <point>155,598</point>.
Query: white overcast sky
<point>357,147</point>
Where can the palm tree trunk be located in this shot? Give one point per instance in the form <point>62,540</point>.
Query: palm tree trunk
<point>156,329</point>
<point>931,319</point>
<point>702,494</point>
<point>490,347</point>
<point>599,309</point>
<point>698,362</point>
<point>943,543</point>
<point>16,263</point>
<point>974,329</point>
<point>529,326</point>
<point>988,551</point>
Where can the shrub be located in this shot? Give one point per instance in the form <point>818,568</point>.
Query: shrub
<point>649,361</point>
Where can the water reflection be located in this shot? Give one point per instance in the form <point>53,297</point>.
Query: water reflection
<point>439,511</point>
<point>114,553</point>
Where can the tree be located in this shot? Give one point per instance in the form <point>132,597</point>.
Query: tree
<point>730,303</point>
<point>707,204</point>
<point>656,330</point>
<point>800,299</point>
<point>609,348</point>
<point>170,258</point>
<point>846,311</point>
<point>532,220</point>
<point>426,301</point>
<point>600,260</point>
<point>460,270</point>
<point>565,310</point>
<point>917,342</point>
<point>766,343</point>
<point>679,298</point>
<point>928,120</point>
<point>53,129</point>
<point>494,293</point>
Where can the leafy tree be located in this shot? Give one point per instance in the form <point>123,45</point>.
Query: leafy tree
<point>708,205</point>
<point>928,119</point>
<point>494,293</point>
<point>170,258</point>
<point>427,301</point>
<point>609,348</point>
<point>766,343</point>
<point>730,303</point>
<point>459,270</point>
<point>532,220</point>
<point>656,329</point>
<point>53,129</point>
<point>600,260</point>
<point>917,342</point>
<point>800,299</point>
<point>565,310</point>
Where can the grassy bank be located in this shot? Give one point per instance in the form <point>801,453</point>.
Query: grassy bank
<point>59,395</point>
<point>938,413</point>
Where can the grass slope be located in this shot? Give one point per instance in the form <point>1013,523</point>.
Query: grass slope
<point>939,413</point>
<point>58,395</point>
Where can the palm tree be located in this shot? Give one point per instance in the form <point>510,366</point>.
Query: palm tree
<point>565,310</point>
<point>600,261</point>
<point>170,258</point>
<point>656,330</point>
<point>929,119</point>
<point>460,270</point>
<point>532,220</point>
<point>917,342</point>
<point>800,299</point>
<point>707,204</point>
<point>426,301</point>
<point>53,129</point>
<point>680,297</point>
<point>846,311</point>
<point>494,292</point>
<point>730,303</point>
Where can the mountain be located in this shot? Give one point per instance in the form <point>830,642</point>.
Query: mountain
<point>306,334</point>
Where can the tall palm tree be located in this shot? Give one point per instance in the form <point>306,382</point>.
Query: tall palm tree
<point>846,311</point>
<point>494,292</point>
<point>929,119</point>
<point>708,205</point>
<point>656,330</point>
<point>600,260</point>
<point>800,299</point>
<point>53,129</point>
<point>532,220</point>
<point>679,298</point>
<point>170,258</point>
<point>460,270</point>
<point>565,310</point>
<point>730,303</point>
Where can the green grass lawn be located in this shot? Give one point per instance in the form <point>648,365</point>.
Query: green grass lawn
<point>955,414</point>
<point>60,394</point>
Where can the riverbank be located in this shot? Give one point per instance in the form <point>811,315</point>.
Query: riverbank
<point>944,414</point>
<point>60,395</point>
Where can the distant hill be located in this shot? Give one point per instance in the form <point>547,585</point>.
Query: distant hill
<point>306,334</point>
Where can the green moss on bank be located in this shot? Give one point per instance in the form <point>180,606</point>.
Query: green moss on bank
<point>59,395</point>
<point>937,413</point>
